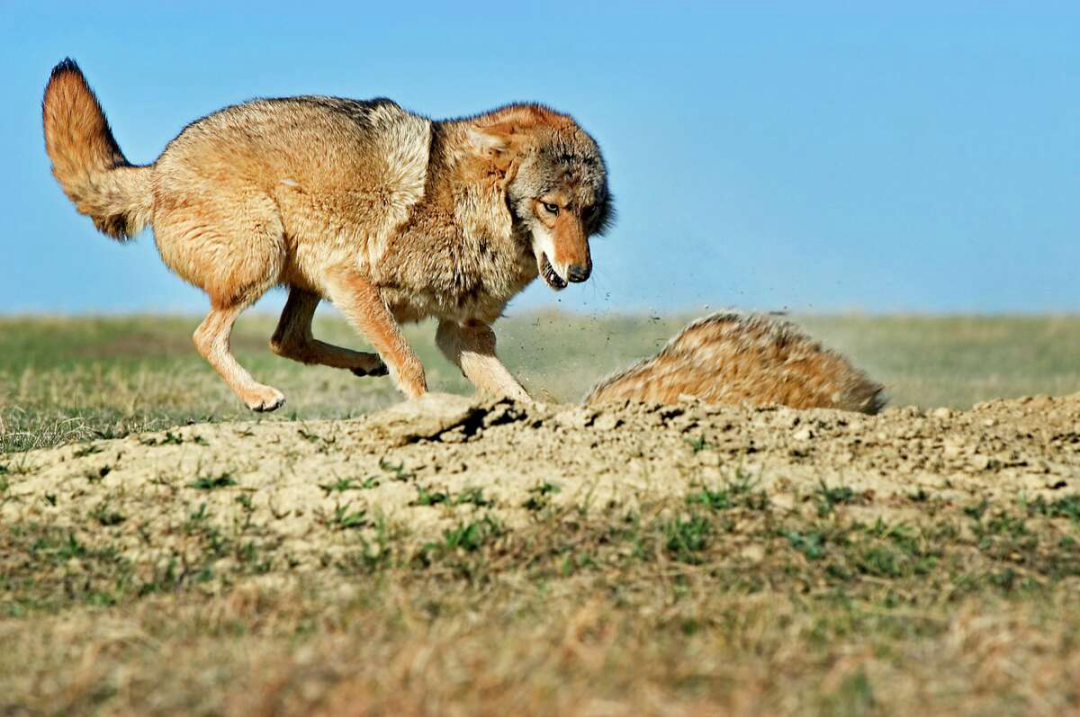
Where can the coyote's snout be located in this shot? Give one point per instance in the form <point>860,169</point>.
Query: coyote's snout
<point>391,216</point>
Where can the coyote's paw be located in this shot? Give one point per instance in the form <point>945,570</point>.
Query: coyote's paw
<point>264,399</point>
<point>377,368</point>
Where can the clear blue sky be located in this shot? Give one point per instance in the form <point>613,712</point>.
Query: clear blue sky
<point>914,156</point>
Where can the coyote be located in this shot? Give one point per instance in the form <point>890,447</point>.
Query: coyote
<point>391,216</point>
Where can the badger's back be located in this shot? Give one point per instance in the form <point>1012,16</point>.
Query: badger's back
<point>736,358</point>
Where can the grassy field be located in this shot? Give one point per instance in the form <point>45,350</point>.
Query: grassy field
<point>725,605</point>
<point>821,596</point>
<point>65,379</point>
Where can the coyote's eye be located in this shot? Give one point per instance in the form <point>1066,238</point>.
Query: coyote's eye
<point>552,209</point>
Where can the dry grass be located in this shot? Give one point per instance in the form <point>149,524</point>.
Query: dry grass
<point>725,605</point>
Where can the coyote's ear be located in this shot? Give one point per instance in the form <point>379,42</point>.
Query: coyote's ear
<point>499,137</point>
<point>484,140</point>
<point>494,143</point>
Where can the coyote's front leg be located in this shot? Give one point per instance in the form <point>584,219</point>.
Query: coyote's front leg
<point>365,309</point>
<point>471,347</point>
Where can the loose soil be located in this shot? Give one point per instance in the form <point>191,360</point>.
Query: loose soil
<point>308,489</point>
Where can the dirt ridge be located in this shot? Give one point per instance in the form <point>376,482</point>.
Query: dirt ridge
<point>312,489</point>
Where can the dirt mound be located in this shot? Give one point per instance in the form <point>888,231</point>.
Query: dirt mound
<point>443,462</point>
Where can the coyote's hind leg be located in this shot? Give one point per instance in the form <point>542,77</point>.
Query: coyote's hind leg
<point>212,341</point>
<point>293,340</point>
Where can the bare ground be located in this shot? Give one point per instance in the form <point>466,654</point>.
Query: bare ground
<point>626,559</point>
<point>417,464</point>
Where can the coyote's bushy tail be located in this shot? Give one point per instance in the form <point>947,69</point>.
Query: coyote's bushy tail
<point>86,160</point>
<point>736,358</point>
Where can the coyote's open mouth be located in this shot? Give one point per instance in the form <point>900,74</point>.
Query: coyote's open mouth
<point>552,278</point>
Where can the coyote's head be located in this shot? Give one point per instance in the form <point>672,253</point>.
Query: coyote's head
<point>556,186</point>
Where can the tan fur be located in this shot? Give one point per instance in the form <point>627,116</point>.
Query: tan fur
<point>391,216</point>
<point>86,160</point>
<point>471,347</point>
<point>735,358</point>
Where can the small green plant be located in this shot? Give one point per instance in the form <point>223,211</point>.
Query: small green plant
<point>196,517</point>
<point>71,549</point>
<point>472,496</point>
<point>900,534</point>
<point>1067,507</point>
<point>373,554</point>
<point>428,497</point>
<point>105,516</point>
<point>225,480</point>
<point>163,580</point>
<point>345,484</point>
<point>975,512</point>
<point>713,499</point>
<point>538,498</point>
<point>1005,524</point>
<point>684,539</point>
<point>247,553</point>
<point>397,472</point>
<point>346,520</point>
<point>829,498</point>
<point>810,543</point>
<point>339,486</point>
<point>470,537</point>
<point>573,562</point>
<point>736,492</point>
<point>697,444</point>
<point>882,561</point>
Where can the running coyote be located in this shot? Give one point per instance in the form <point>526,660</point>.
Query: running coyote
<point>391,216</point>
